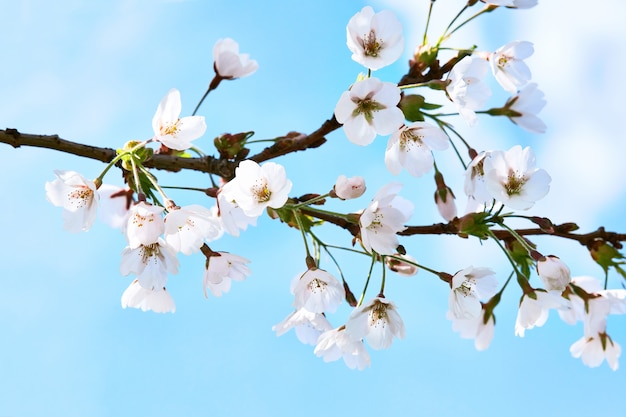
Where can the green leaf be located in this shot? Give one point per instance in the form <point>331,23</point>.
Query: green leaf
<point>606,255</point>
<point>410,105</point>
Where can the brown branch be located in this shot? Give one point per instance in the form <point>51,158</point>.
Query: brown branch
<point>350,226</point>
<point>173,163</point>
<point>563,230</point>
<point>294,142</point>
<point>16,139</point>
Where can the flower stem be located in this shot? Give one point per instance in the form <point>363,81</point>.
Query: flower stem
<point>320,211</point>
<point>430,11</point>
<point>367,281</point>
<point>140,194</point>
<point>120,156</point>
<point>311,201</point>
<point>212,86</point>
<point>508,256</point>
<point>156,185</point>
<point>425,268</point>
<point>382,281</point>
<point>487,8</point>
<point>325,247</point>
<point>416,85</point>
<point>445,32</point>
<point>444,126</point>
<point>296,213</point>
<point>516,235</point>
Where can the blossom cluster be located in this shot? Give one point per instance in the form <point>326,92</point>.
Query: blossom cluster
<point>156,229</point>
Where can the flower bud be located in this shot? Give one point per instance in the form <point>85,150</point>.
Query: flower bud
<point>406,269</point>
<point>444,198</point>
<point>554,273</point>
<point>229,146</point>
<point>348,188</point>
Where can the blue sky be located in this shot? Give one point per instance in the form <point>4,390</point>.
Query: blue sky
<point>94,72</point>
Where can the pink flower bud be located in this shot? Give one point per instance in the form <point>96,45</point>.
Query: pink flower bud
<point>445,205</point>
<point>348,188</point>
<point>444,198</point>
<point>406,269</point>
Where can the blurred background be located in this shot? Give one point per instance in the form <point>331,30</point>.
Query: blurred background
<point>94,72</point>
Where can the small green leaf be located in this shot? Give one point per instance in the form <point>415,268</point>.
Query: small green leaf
<point>410,105</point>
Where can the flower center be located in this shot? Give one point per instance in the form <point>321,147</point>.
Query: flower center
<point>478,170</point>
<point>467,287</point>
<point>378,315</point>
<point>410,138</point>
<point>514,184</point>
<point>81,196</point>
<point>366,107</point>
<point>377,223</point>
<point>170,129</point>
<point>149,252</point>
<point>317,286</point>
<point>371,45</point>
<point>260,191</point>
<point>502,61</point>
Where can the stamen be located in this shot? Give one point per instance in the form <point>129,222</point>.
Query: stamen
<point>371,45</point>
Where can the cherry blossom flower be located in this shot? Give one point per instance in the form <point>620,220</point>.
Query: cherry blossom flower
<point>375,39</point>
<point>145,224</point>
<point>78,198</point>
<point>602,303</point>
<point>229,63</point>
<point>370,107</point>
<point>474,185</point>
<point>410,148</point>
<point>336,343</point>
<point>348,188</point>
<point>512,178</point>
<point>475,328</point>
<point>221,270</point>
<point>508,66</point>
<point>554,273</point>
<point>467,89</point>
<point>468,287</point>
<point>533,312</point>
<point>150,263</point>
<point>317,291</point>
<point>187,228</point>
<point>593,350</point>
<point>526,104</point>
<point>376,321</point>
<point>596,345</point>
<point>115,203</point>
<point>256,187</point>
<point>307,325</point>
<point>232,217</point>
<point>156,299</point>
<point>170,130</point>
<point>383,218</point>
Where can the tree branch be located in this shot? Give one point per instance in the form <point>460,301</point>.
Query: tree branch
<point>173,163</point>
<point>294,142</point>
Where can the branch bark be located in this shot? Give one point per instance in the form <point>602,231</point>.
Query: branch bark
<point>222,167</point>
